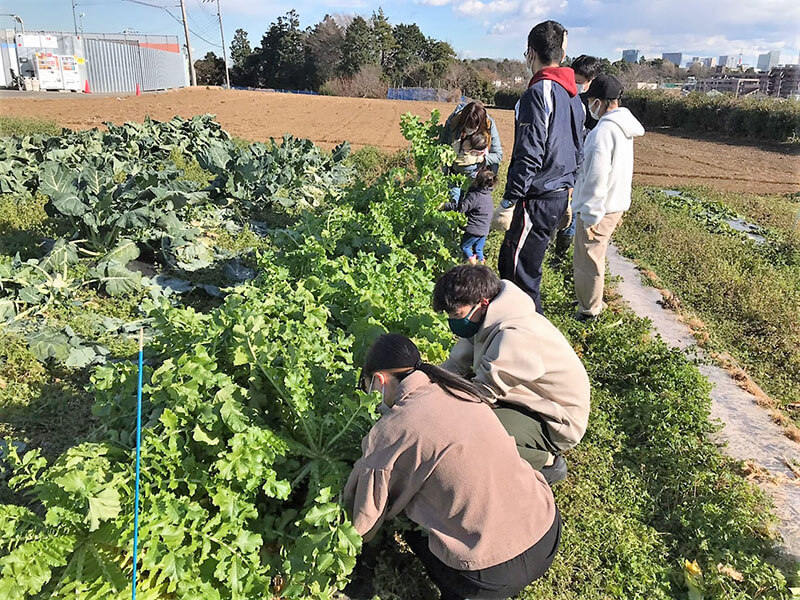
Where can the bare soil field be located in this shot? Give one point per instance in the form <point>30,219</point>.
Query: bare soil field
<point>661,158</point>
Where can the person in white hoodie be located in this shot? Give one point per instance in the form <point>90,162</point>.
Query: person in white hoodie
<point>603,189</point>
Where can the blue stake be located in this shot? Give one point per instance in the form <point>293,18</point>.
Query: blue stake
<point>138,457</point>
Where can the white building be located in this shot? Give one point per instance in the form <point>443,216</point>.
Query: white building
<point>728,61</point>
<point>769,60</point>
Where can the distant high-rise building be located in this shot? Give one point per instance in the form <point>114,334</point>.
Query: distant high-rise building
<point>630,56</point>
<point>769,60</point>
<point>728,61</point>
<point>709,62</point>
<point>674,57</point>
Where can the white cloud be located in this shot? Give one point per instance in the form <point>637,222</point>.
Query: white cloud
<point>484,9</point>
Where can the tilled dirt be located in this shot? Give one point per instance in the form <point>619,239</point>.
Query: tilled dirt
<point>661,158</point>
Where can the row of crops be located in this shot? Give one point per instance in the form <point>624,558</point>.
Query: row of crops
<point>251,415</point>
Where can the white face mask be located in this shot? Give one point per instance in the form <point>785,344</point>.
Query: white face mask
<point>383,408</point>
<point>580,87</point>
<point>596,116</point>
<point>529,62</point>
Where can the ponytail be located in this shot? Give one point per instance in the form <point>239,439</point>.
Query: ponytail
<point>396,352</point>
<point>455,385</point>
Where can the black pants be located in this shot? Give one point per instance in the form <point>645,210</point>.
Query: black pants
<point>535,220</point>
<point>494,583</point>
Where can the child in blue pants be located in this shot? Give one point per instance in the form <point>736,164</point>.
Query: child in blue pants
<point>477,204</point>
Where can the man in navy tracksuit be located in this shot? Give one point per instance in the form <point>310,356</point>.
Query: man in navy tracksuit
<point>548,149</point>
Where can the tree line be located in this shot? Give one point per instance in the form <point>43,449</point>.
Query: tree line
<point>347,55</point>
<point>353,55</point>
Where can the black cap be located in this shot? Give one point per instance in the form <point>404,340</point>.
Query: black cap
<point>605,87</point>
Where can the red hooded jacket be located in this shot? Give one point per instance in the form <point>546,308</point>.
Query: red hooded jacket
<point>561,75</point>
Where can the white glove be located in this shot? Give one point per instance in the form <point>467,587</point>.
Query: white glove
<point>501,220</point>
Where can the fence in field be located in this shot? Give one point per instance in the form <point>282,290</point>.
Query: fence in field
<point>420,94</point>
<point>275,91</point>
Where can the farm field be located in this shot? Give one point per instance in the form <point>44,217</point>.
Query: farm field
<point>739,290</point>
<point>257,116</point>
<point>230,253</point>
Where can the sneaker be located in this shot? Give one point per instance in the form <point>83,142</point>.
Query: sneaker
<point>584,318</point>
<point>556,472</point>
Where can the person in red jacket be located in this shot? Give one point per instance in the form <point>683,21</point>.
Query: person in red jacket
<point>548,149</point>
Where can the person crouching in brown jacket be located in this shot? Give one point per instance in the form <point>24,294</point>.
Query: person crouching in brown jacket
<point>438,455</point>
<point>520,360</point>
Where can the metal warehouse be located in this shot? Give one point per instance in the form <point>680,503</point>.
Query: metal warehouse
<point>99,62</point>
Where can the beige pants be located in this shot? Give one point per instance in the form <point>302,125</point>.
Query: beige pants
<point>589,262</point>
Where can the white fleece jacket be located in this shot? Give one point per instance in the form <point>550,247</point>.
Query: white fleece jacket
<point>606,175</point>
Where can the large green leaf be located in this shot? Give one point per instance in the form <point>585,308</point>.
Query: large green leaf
<point>124,252</point>
<point>8,309</point>
<point>117,278</point>
<point>67,202</point>
<point>80,357</point>
<point>63,254</point>
<point>214,158</point>
<point>48,343</point>
<point>102,507</point>
<point>55,177</point>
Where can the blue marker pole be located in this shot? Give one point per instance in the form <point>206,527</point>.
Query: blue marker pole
<point>138,458</point>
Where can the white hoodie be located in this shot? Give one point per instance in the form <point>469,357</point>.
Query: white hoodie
<point>606,175</point>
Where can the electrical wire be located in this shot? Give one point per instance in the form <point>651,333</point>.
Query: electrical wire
<point>210,43</point>
<point>166,8</point>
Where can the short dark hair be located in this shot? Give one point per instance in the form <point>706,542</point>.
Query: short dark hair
<point>587,67</point>
<point>547,39</point>
<point>484,179</point>
<point>464,285</point>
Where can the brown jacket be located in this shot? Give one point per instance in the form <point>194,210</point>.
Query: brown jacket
<point>523,359</point>
<point>453,469</point>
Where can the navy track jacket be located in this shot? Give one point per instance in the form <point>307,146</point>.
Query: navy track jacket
<point>548,136</point>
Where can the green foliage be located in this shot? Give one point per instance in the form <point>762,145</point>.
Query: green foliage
<point>371,163</point>
<point>280,61</point>
<point>508,98</point>
<point>210,70</point>
<point>360,47</point>
<point>113,196</point>
<point>252,422</point>
<point>764,119</point>
<point>20,126</point>
<point>746,293</point>
<point>23,222</point>
<point>247,445</point>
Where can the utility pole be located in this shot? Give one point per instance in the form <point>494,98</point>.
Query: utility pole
<point>18,19</point>
<point>192,76</point>
<point>74,18</point>
<point>224,49</point>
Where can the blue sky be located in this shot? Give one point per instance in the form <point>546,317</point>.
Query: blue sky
<point>495,28</point>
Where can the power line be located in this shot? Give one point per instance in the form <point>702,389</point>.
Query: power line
<point>190,29</point>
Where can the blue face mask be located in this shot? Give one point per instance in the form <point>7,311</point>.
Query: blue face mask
<point>464,327</point>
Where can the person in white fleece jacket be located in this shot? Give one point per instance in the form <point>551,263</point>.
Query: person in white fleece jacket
<point>602,191</point>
